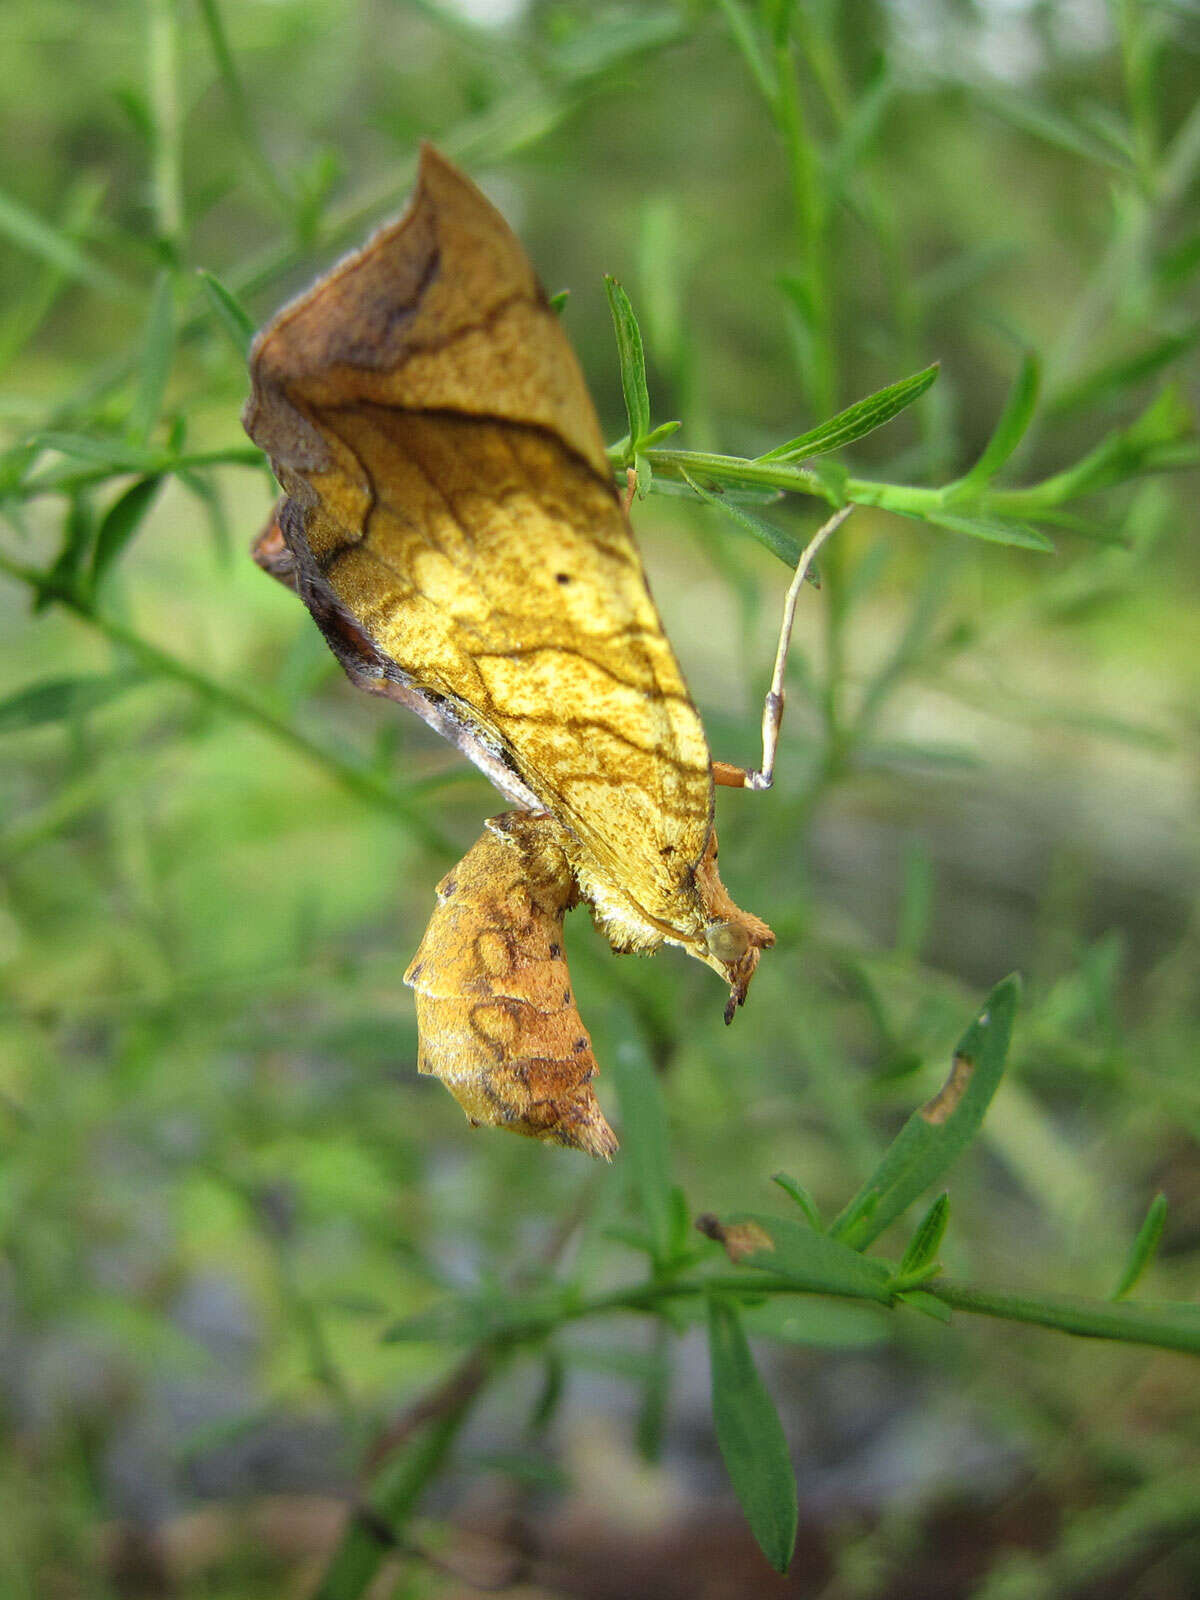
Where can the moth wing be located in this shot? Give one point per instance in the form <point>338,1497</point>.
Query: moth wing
<point>495,1012</point>
<point>427,416</point>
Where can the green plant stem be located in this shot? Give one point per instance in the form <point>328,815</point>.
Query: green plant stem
<point>1032,501</point>
<point>310,1330</point>
<point>163,93</point>
<point>1164,1327</point>
<point>1137,59</point>
<point>1096,1319</point>
<point>359,781</point>
<point>1125,1321</point>
<point>239,106</point>
<point>375,1529</point>
<point>810,222</point>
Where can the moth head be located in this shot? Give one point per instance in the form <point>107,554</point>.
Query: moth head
<point>732,938</point>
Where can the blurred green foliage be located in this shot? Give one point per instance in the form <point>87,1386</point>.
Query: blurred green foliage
<point>220,1179</point>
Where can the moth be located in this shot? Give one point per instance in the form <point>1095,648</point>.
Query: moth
<point>450,519</point>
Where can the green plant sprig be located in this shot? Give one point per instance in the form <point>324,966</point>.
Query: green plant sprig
<point>776,1258</point>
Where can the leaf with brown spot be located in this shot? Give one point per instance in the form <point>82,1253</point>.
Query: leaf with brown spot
<point>938,1132</point>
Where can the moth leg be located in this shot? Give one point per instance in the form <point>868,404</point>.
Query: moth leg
<point>724,772</point>
<point>726,775</point>
<point>630,489</point>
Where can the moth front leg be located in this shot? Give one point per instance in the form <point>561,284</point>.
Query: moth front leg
<point>724,773</point>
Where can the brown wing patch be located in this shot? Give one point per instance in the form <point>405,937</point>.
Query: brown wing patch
<point>439,311</point>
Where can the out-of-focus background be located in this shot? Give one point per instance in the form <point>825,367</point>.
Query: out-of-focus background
<point>220,1177</point>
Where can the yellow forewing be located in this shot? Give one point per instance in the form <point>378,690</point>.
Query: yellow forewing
<point>427,416</point>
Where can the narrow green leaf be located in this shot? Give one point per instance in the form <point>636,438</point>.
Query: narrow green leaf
<point>661,272</point>
<point>1035,117</point>
<point>833,478</point>
<point>30,232</point>
<point>927,1304</point>
<point>14,464</point>
<point>207,491</point>
<point>56,699</point>
<point>1162,436</point>
<point>680,489</point>
<point>746,40</point>
<point>681,1236</point>
<point>815,1320</point>
<point>801,1196</point>
<point>1115,377</point>
<point>906,753</point>
<point>857,420</point>
<point>158,347</point>
<point>449,1322</point>
<point>958,274</point>
<point>1173,1325</point>
<point>1109,127</point>
<point>991,530</point>
<point>663,431</point>
<point>864,1205</point>
<point>599,45</point>
<point>916,901</point>
<point>819,1323</point>
<point>633,363</point>
<point>1009,431</point>
<point>471,1317</point>
<point>1178,264</point>
<point>921,1256</point>
<point>104,451</point>
<point>239,104</point>
<point>550,1396</point>
<point>935,1136</point>
<point>1145,1247</point>
<point>812,1261</point>
<point>751,1438</point>
<point>229,312</point>
<point>64,573</point>
<point>645,1143</point>
<point>119,524</point>
<point>656,1392</point>
<point>861,127</point>
<point>26,315</point>
<point>558,302</point>
<point>780,544</point>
